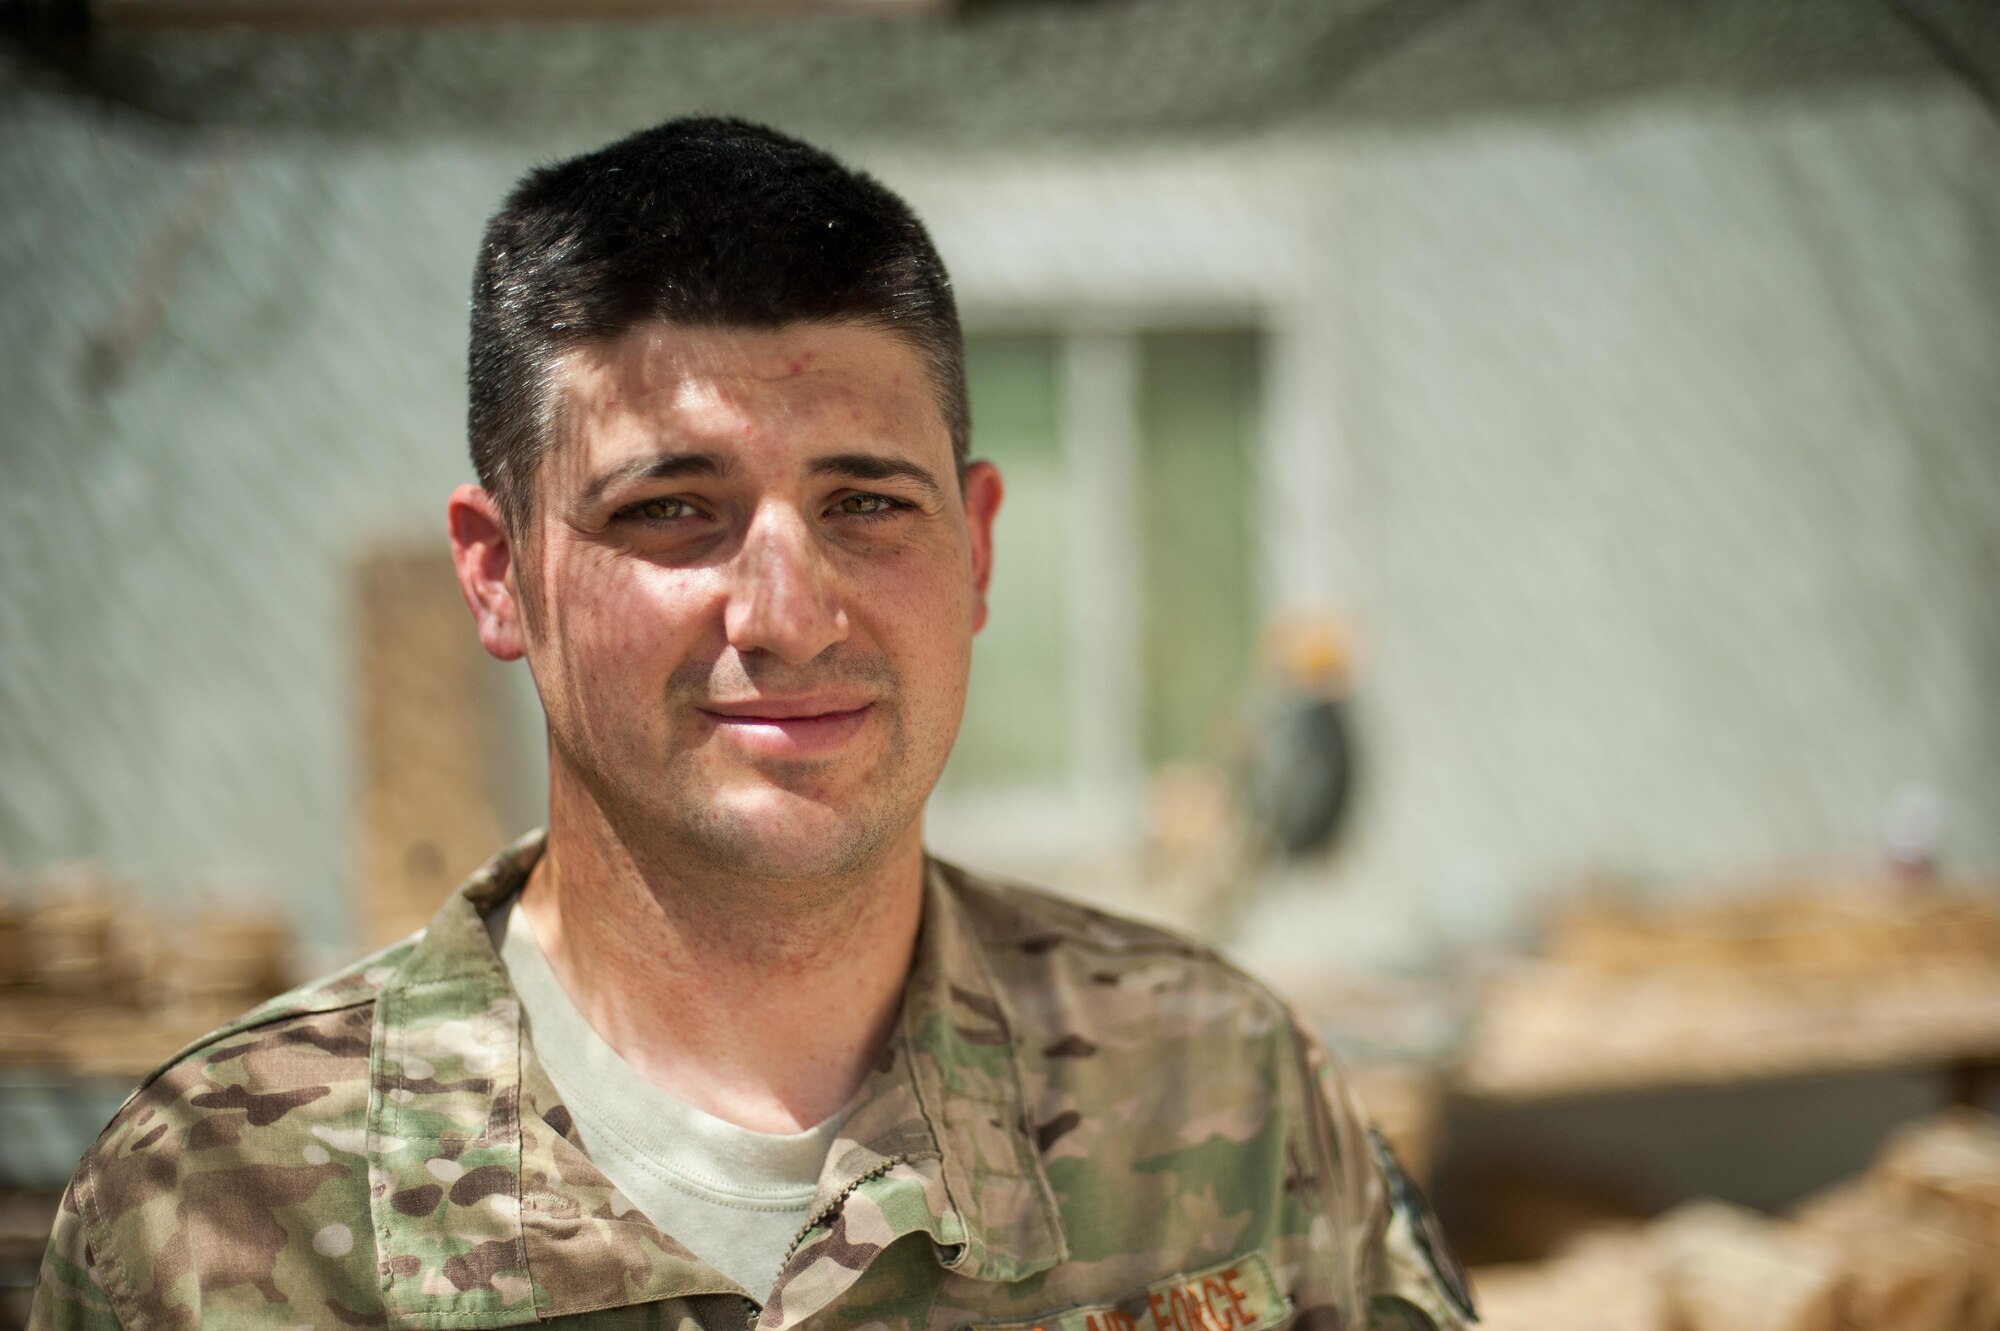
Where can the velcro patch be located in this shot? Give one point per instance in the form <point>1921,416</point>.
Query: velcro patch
<point>1239,1295</point>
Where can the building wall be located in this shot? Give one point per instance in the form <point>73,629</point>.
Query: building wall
<point>179,694</point>
<point>1651,450</point>
<point>1674,449</point>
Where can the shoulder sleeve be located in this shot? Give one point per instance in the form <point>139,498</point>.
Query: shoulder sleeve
<point>1405,1270</point>
<point>70,1292</point>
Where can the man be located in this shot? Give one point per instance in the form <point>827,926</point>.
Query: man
<point>723,1049</point>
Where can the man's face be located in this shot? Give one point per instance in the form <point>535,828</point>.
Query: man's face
<point>755,585</point>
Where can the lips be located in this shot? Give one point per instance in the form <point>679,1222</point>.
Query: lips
<point>786,709</point>
<point>790,727</point>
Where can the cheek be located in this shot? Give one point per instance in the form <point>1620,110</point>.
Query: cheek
<point>931,621</point>
<point>621,627</point>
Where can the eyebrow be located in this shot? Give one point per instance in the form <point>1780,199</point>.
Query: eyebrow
<point>876,467</point>
<point>673,466</point>
<point>660,467</point>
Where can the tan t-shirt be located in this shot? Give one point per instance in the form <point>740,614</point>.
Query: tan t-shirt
<point>736,1198</point>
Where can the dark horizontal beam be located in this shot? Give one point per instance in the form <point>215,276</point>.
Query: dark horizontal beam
<point>336,15</point>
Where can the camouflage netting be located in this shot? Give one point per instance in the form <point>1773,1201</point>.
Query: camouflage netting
<point>1004,71</point>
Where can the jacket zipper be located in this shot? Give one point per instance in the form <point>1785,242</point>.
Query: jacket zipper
<point>817,1218</point>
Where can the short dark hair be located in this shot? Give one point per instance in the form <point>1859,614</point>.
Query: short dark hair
<point>699,221</point>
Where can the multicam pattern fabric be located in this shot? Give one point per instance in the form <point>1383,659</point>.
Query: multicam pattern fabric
<point>1076,1115</point>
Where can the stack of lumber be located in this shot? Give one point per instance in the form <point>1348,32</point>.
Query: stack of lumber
<point>1779,983</point>
<point>1910,1246</point>
<point>97,984</point>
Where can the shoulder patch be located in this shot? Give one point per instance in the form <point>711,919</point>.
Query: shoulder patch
<point>1238,1295</point>
<point>1415,1209</point>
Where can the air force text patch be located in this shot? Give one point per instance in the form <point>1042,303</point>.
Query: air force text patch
<point>1239,1295</point>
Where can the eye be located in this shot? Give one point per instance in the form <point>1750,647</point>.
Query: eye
<point>869,505</point>
<point>665,509</point>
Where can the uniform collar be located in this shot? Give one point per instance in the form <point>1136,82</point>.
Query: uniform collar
<point>961,1045</point>
<point>488,1213</point>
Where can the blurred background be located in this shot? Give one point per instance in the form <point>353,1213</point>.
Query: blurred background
<point>1503,536</point>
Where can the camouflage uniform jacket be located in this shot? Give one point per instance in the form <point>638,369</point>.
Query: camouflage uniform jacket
<point>1079,1124</point>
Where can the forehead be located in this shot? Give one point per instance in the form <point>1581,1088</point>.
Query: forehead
<point>666,385</point>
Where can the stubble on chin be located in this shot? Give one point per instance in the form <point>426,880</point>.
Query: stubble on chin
<point>806,868</point>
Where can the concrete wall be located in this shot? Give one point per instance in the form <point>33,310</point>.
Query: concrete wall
<point>1672,441</point>
<point>1653,450</point>
<point>173,559</point>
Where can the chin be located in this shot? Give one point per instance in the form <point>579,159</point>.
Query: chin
<point>777,834</point>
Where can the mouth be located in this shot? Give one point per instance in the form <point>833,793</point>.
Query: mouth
<point>789,727</point>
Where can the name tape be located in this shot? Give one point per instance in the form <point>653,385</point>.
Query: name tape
<point>1239,1295</point>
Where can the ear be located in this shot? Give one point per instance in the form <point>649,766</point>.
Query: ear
<point>983,492</point>
<point>484,557</point>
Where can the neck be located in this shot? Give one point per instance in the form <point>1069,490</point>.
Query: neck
<point>756,1001</point>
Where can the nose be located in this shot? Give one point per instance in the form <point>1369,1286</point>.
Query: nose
<point>782,596</point>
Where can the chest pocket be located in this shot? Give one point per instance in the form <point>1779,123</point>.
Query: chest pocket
<point>1237,1295</point>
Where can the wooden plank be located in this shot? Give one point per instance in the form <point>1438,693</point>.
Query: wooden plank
<point>427,744</point>
<point>1771,985</point>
